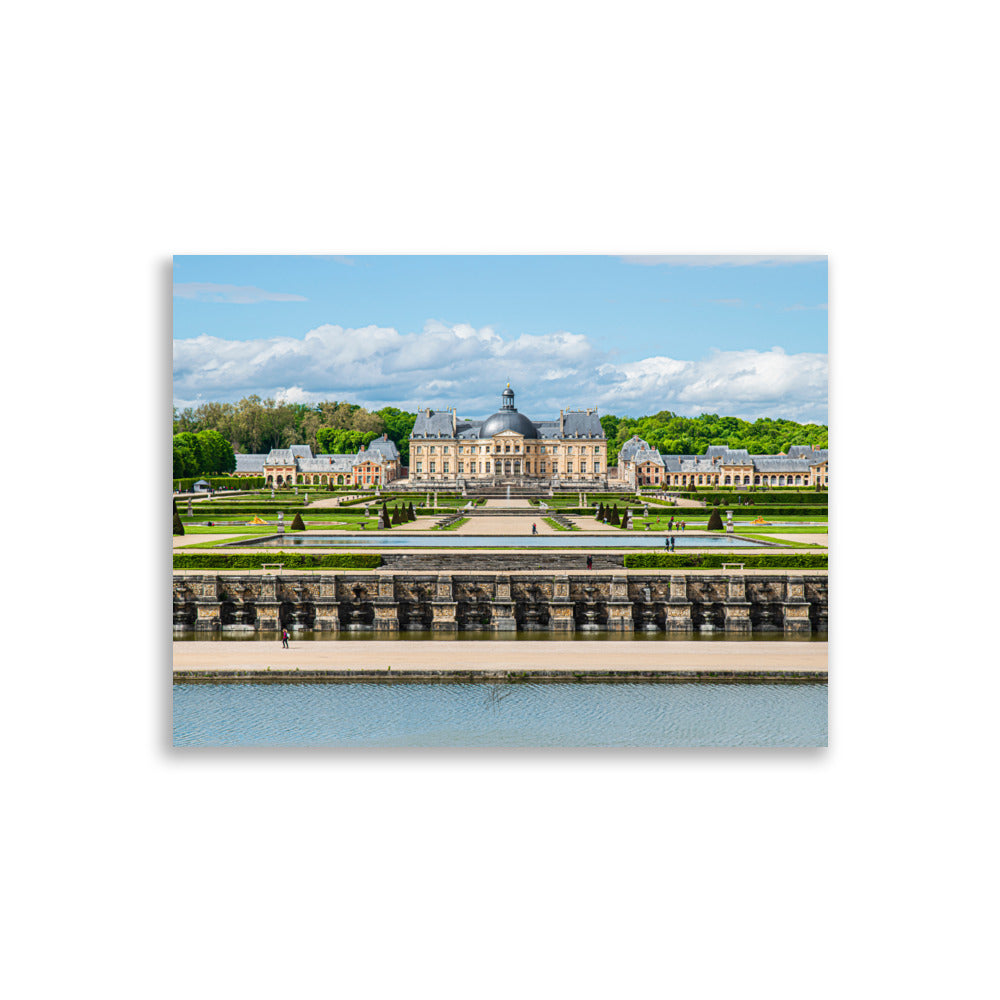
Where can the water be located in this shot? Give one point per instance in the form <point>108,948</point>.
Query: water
<point>488,635</point>
<point>505,715</point>
<point>444,540</point>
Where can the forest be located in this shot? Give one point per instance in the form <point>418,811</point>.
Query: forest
<point>255,426</point>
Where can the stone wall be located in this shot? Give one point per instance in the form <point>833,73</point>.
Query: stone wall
<point>497,601</point>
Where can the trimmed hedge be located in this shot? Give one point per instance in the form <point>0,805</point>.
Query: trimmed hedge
<point>713,560</point>
<point>292,560</point>
<point>798,495</point>
<point>222,482</point>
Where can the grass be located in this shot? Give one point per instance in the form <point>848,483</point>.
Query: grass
<point>559,527</point>
<point>453,526</point>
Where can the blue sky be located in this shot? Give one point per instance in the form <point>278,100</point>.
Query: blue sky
<point>745,336</point>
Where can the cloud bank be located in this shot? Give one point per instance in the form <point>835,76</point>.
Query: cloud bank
<point>466,367</point>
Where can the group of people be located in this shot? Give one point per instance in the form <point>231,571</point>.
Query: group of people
<point>681,525</point>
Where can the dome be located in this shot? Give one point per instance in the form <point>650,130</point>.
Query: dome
<point>508,420</point>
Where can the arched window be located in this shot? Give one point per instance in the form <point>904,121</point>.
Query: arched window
<point>798,480</point>
<point>729,480</point>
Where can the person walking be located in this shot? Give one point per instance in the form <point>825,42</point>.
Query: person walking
<point>534,530</point>
<point>672,543</point>
<point>590,562</point>
<point>284,638</point>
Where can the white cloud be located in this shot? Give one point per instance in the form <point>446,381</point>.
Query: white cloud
<point>204,291</point>
<point>724,260</point>
<point>468,368</point>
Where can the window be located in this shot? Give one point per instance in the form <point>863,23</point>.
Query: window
<point>445,451</point>
<point>569,466</point>
<point>583,465</point>
<point>444,467</point>
<point>541,468</point>
<point>487,466</point>
<point>432,467</point>
<point>461,467</point>
<point>432,449</point>
<point>597,449</point>
<point>569,450</point>
<point>418,449</point>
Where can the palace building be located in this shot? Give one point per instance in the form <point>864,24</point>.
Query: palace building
<point>508,448</point>
<point>376,464</point>
<point>639,464</point>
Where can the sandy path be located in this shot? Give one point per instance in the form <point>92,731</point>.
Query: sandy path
<point>512,655</point>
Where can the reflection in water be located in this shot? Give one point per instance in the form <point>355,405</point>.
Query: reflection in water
<point>487,635</point>
<point>514,715</point>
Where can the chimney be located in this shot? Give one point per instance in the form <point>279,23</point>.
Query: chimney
<point>560,421</point>
<point>454,422</point>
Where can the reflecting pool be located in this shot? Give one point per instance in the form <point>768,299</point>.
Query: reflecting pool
<point>500,715</point>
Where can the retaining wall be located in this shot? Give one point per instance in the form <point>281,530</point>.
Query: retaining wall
<point>497,601</point>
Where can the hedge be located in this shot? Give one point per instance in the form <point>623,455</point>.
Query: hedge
<point>686,513</point>
<point>784,497</point>
<point>713,560</point>
<point>291,560</point>
<point>222,482</point>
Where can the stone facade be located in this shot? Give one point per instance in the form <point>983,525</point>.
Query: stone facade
<point>680,602</point>
<point>508,448</point>
<point>639,464</point>
<point>375,465</point>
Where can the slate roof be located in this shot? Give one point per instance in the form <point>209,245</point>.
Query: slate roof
<point>250,463</point>
<point>385,447</point>
<point>576,423</point>
<point>580,423</point>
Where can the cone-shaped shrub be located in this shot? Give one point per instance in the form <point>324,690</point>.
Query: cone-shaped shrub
<point>383,518</point>
<point>626,517</point>
<point>715,521</point>
<point>178,524</point>
<point>395,515</point>
<point>297,523</point>
<point>600,510</point>
<point>615,516</point>
<point>413,516</point>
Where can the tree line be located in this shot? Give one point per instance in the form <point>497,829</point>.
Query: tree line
<point>674,435</point>
<point>255,426</point>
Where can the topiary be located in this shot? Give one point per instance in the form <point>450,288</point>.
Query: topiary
<point>297,523</point>
<point>178,524</point>
<point>715,520</point>
<point>395,515</point>
<point>615,517</point>
<point>410,512</point>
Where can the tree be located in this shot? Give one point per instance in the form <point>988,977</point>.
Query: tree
<point>715,520</point>
<point>384,517</point>
<point>395,515</point>
<point>297,523</point>
<point>217,456</point>
<point>178,523</point>
<point>600,511</point>
<point>615,517</point>
<point>187,455</point>
<point>412,515</point>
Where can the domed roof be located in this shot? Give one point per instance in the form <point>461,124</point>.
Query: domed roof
<point>508,420</point>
